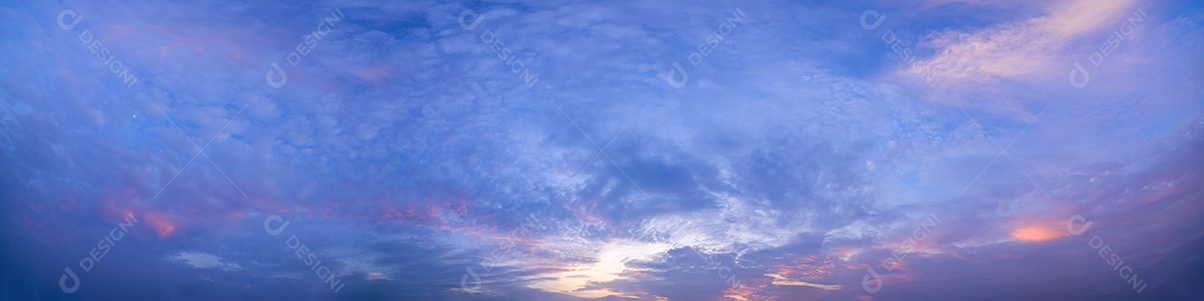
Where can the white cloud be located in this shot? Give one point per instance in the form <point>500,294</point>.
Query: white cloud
<point>782,281</point>
<point>203,260</point>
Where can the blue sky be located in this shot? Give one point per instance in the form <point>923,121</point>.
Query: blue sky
<point>559,150</point>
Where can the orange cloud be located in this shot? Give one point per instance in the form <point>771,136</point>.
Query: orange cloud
<point>1037,233</point>
<point>162,225</point>
<point>743,292</point>
<point>1043,224</point>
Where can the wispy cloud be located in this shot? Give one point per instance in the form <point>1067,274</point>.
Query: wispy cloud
<point>782,281</point>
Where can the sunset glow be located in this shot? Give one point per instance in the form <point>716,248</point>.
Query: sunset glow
<point>567,150</point>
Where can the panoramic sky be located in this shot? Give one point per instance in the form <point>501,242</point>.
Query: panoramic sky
<point>615,150</point>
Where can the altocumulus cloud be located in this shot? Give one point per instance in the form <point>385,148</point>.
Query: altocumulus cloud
<point>551,150</point>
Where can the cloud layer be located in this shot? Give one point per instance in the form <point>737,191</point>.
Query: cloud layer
<point>551,150</point>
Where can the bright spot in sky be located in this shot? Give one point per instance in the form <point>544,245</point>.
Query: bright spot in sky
<point>609,266</point>
<point>1035,233</point>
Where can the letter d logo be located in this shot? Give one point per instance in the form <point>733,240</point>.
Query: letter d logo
<point>476,19</point>
<point>476,280</point>
<point>283,77</point>
<point>865,281</point>
<point>267,225</point>
<point>1078,68</point>
<point>63,281</point>
<point>685,77</point>
<point>868,13</point>
<point>64,14</point>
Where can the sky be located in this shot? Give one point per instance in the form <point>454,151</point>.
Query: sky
<point>602,150</point>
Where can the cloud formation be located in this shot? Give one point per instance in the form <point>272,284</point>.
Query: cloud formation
<point>534,150</point>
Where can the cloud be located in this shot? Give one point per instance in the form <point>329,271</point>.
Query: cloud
<point>414,164</point>
<point>203,260</point>
<point>1021,47</point>
<point>609,265</point>
<point>783,281</point>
